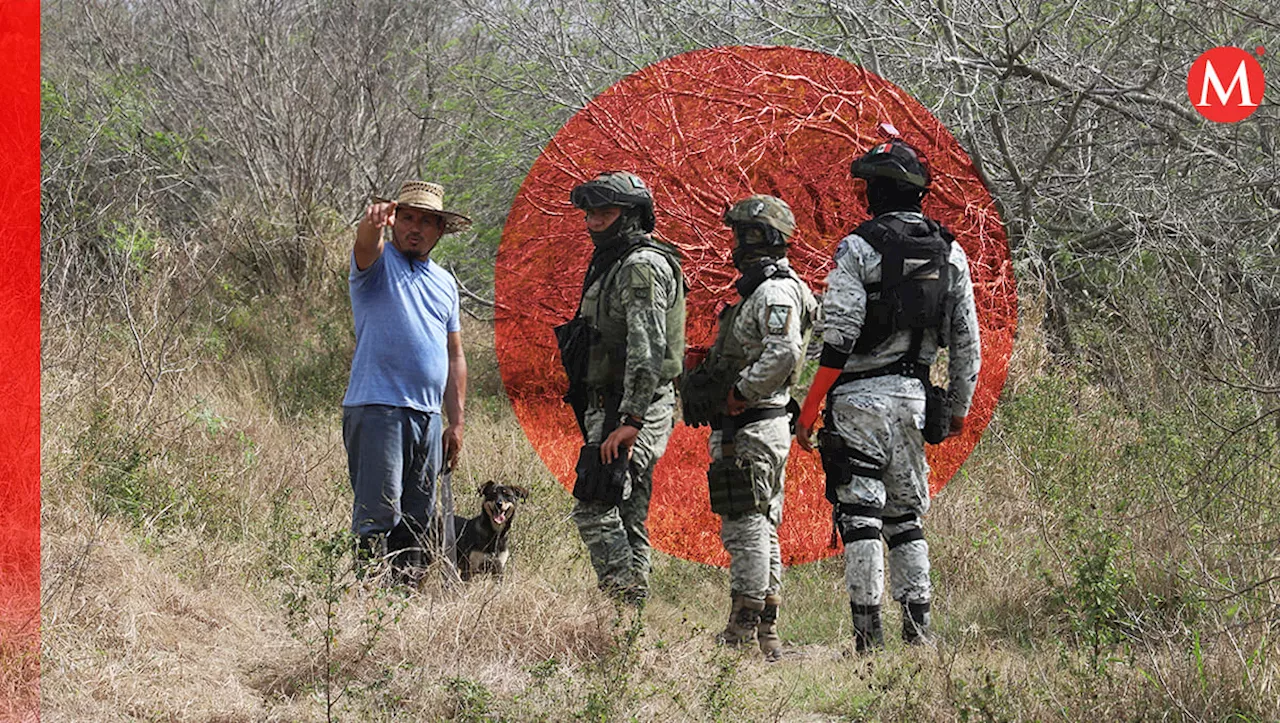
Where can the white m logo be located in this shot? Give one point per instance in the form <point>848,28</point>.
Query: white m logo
<point>1241,78</point>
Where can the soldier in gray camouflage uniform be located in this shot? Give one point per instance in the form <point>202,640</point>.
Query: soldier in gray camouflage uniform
<point>899,292</point>
<point>758,352</point>
<point>633,304</point>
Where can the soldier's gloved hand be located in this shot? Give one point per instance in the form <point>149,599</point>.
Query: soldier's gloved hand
<point>957,426</point>
<point>619,442</point>
<point>804,436</point>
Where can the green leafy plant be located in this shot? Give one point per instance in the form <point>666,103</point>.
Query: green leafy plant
<point>323,584</point>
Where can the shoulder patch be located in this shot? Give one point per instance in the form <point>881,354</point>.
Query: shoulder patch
<point>641,274</point>
<point>842,249</point>
<point>778,318</point>
<point>640,281</point>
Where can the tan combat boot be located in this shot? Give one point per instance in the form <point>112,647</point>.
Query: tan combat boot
<point>767,631</point>
<point>743,619</point>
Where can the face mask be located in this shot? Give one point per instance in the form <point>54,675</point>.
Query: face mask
<point>755,269</point>
<point>601,238</point>
<point>755,241</point>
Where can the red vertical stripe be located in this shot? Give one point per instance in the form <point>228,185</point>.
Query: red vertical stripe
<point>19,311</point>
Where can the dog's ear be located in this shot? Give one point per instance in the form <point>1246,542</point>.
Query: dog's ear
<point>487,487</point>
<point>521,492</point>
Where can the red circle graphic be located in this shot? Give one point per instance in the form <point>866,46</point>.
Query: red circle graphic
<point>1225,84</point>
<point>704,129</point>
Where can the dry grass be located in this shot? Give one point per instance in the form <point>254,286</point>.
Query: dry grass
<point>19,662</point>
<point>168,583</point>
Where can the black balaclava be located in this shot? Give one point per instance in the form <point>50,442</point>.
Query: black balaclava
<point>886,194</point>
<point>758,260</point>
<point>626,225</point>
<point>613,242</point>
<point>756,266</point>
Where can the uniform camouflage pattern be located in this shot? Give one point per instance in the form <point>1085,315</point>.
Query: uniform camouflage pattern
<point>844,309</point>
<point>883,417</point>
<point>770,333</point>
<point>639,309</point>
<point>617,537</point>
<point>766,337</point>
<point>751,539</point>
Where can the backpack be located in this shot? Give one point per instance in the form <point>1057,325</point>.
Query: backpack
<point>914,277</point>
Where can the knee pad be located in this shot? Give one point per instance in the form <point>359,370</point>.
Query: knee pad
<point>902,529</point>
<point>857,522</point>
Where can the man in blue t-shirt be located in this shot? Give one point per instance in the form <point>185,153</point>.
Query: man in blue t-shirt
<point>408,366</point>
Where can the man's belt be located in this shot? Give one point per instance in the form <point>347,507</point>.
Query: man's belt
<point>751,416</point>
<point>728,426</point>
<point>602,398</point>
<point>915,370</point>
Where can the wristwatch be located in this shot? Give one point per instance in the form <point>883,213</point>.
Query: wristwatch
<point>631,421</point>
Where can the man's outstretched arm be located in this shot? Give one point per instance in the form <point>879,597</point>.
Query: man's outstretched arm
<point>369,233</point>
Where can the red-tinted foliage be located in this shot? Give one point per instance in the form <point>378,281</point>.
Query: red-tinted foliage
<point>704,129</point>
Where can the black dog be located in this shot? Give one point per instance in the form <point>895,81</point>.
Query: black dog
<point>482,540</point>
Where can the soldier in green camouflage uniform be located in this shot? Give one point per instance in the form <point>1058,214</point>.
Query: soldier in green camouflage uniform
<point>758,352</point>
<point>633,301</point>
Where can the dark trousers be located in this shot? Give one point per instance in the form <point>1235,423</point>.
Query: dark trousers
<point>394,456</point>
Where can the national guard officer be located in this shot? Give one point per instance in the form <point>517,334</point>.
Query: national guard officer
<point>900,291</point>
<point>743,390</point>
<point>623,350</point>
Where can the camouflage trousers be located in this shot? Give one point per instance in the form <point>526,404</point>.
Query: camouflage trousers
<point>617,537</point>
<point>882,418</point>
<point>751,538</point>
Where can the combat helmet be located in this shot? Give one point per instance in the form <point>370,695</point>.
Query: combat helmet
<point>761,221</point>
<point>616,188</point>
<point>896,160</point>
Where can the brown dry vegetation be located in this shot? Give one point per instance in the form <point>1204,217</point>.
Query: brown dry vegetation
<point>174,613</point>
<point>1109,552</point>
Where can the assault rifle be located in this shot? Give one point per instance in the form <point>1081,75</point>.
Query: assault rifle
<point>574,338</point>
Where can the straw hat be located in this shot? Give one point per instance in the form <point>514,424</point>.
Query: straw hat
<point>430,197</point>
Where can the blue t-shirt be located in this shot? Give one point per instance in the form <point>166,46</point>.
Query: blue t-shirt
<point>403,312</point>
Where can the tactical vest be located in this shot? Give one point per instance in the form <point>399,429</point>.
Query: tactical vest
<point>915,274</point>
<point>704,389</point>
<point>608,359</point>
